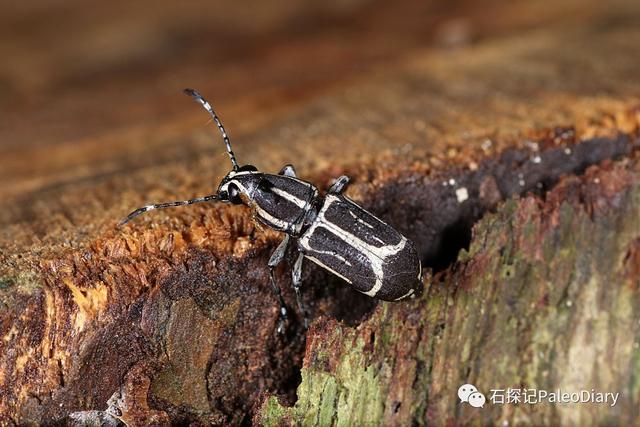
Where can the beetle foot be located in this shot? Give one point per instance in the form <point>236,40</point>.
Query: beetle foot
<point>282,319</point>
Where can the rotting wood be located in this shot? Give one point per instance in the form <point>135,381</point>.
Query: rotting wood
<point>165,299</point>
<point>545,298</point>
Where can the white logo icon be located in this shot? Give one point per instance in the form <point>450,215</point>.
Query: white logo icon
<point>465,390</point>
<point>477,400</point>
<point>470,394</point>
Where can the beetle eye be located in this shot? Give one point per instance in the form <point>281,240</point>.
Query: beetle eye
<point>234,195</point>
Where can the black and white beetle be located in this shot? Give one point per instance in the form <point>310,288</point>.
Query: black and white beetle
<point>331,231</point>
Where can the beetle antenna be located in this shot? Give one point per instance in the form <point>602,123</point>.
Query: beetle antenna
<point>195,95</point>
<point>148,208</point>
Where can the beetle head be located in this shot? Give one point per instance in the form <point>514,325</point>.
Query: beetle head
<point>238,186</point>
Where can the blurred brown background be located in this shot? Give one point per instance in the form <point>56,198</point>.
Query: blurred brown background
<point>90,88</point>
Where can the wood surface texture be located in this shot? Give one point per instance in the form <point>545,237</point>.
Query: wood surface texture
<point>532,108</point>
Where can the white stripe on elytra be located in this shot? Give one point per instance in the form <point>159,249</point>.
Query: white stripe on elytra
<point>323,265</point>
<point>376,255</point>
<point>340,257</point>
<point>360,220</point>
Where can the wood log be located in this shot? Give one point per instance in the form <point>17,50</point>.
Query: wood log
<point>545,298</point>
<point>506,149</point>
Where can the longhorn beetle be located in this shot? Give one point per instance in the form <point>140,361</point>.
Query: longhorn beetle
<point>330,230</point>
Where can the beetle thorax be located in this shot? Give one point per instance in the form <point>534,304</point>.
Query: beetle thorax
<point>278,201</point>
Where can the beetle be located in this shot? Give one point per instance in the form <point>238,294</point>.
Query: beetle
<point>331,230</point>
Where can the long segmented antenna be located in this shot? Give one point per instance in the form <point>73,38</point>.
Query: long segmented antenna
<point>148,208</point>
<point>195,95</point>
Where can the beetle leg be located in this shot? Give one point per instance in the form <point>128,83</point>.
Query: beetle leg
<point>288,170</point>
<point>297,282</point>
<point>338,185</point>
<point>276,258</point>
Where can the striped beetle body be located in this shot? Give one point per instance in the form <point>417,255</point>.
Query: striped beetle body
<point>374,258</point>
<point>331,231</point>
